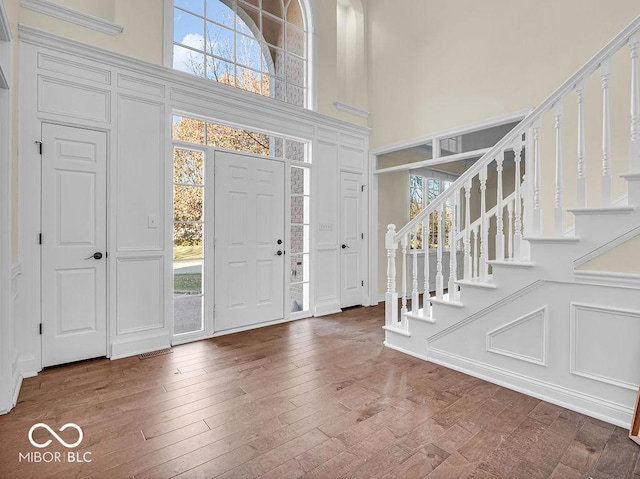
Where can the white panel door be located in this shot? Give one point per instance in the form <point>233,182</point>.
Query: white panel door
<point>351,273</point>
<point>73,244</point>
<point>249,240</point>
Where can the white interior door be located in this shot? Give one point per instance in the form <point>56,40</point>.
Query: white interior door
<point>351,284</point>
<point>73,244</point>
<point>249,240</point>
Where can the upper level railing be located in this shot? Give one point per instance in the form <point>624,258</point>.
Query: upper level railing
<point>520,150</point>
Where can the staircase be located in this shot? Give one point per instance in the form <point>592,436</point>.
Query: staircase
<point>518,308</point>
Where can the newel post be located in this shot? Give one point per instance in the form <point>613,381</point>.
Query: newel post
<point>391,296</point>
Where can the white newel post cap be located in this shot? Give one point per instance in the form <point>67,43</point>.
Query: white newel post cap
<point>390,235</point>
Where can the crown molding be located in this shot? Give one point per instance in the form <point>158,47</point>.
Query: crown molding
<point>70,15</point>
<point>351,109</point>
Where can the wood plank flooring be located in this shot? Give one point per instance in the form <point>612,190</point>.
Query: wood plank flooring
<point>316,398</point>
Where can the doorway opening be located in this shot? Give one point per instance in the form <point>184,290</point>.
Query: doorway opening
<point>198,146</point>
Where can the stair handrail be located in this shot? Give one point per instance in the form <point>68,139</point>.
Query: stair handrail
<point>528,121</point>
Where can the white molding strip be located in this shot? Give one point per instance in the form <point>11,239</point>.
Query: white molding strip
<point>607,247</point>
<point>351,109</point>
<point>5,28</point>
<point>541,360</point>
<point>608,278</point>
<point>72,16</point>
<point>4,81</point>
<point>468,128</point>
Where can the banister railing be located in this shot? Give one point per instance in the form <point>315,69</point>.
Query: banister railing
<point>523,206</point>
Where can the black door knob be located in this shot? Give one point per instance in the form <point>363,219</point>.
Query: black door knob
<point>344,246</point>
<point>279,241</point>
<point>97,255</point>
<point>279,253</point>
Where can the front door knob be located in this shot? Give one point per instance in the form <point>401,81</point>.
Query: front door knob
<point>279,253</point>
<point>344,246</point>
<point>97,255</point>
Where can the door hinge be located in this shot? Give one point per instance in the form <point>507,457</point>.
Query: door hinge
<point>40,238</point>
<point>40,328</point>
<point>361,235</point>
<point>106,254</point>
<point>362,283</point>
<point>362,188</point>
<point>39,146</point>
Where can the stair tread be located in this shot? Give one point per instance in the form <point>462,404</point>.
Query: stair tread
<point>511,263</point>
<point>445,301</point>
<point>630,176</point>
<point>400,331</point>
<point>419,317</point>
<point>553,239</point>
<point>609,210</point>
<point>476,283</point>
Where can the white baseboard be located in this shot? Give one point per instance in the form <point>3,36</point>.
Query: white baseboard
<point>601,409</point>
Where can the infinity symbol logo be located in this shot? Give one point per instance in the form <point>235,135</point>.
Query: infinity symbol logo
<point>60,440</point>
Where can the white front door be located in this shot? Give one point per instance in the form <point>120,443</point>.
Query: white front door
<point>351,285</point>
<point>74,265</point>
<point>250,253</point>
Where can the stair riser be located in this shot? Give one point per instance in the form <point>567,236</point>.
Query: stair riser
<point>599,229</point>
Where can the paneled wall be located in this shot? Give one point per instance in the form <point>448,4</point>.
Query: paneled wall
<point>69,83</point>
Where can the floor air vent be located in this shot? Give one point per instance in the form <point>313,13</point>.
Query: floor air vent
<point>153,354</point>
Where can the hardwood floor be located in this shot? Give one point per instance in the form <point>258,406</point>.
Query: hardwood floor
<point>316,398</point>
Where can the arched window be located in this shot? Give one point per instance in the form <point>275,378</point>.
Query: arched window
<point>256,45</point>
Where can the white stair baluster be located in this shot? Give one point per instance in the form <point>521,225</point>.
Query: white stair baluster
<point>510,215</point>
<point>634,163</point>
<point>517,224</point>
<point>476,256</point>
<point>499,210</point>
<point>537,213</point>
<point>605,72</point>
<point>582,182</point>
<point>452,250</point>
<point>484,227</point>
<point>391,296</point>
<point>439,277</point>
<point>415,301</point>
<point>468,271</point>
<point>425,248</point>
<point>558,211</point>
<point>403,244</point>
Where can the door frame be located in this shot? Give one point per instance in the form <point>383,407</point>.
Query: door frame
<point>208,330</point>
<point>108,258</point>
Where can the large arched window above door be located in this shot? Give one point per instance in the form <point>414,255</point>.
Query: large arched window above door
<point>255,45</point>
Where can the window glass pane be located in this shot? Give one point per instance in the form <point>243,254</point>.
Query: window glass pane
<point>273,31</point>
<point>295,70</point>
<point>299,297</point>
<point>195,6</point>
<point>275,61</point>
<point>295,40</point>
<point>274,7</point>
<point>187,203</point>
<point>299,181</point>
<point>299,268</point>
<point>188,61</point>
<point>300,210</point>
<point>247,79</point>
<point>236,139</point>
<point>295,95</point>
<point>221,71</point>
<point>294,13</point>
<point>299,239</point>
<point>188,129</point>
<point>187,241</point>
<point>187,310</point>
<point>188,166</point>
<point>249,52</point>
<point>220,42</point>
<point>248,21</point>
<point>294,150</point>
<point>188,29</point>
<point>219,12</point>
<point>187,277</point>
